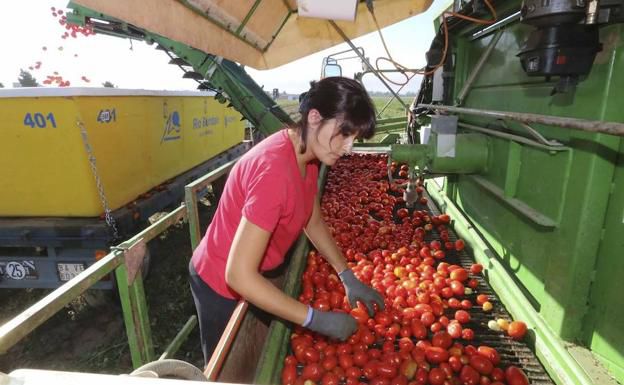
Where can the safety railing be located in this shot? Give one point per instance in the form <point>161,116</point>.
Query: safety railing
<point>125,261</point>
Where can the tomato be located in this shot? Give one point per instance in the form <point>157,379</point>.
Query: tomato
<point>289,374</point>
<point>515,376</point>
<point>437,376</point>
<point>459,245</point>
<point>386,370</point>
<point>329,362</point>
<point>330,378</point>
<point>498,374</point>
<point>442,339</point>
<point>312,372</point>
<point>290,360</point>
<point>481,364</point>
<point>322,305</point>
<point>489,353</point>
<point>345,360</point>
<point>462,316</point>
<point>469,376</point>
<point>419,330</point>
<point>370,369</point>
<point>454,329</point>
<point>459,274</point>
<point>455,363</point>
<point>435,354</point>
<point>353,371</point>
<point>468,334</point>
<point>476,268</point>
<point>408,368</point>
<point>399,380</point>
<point>406,343</point>
<point>517,330</point>
<point>360,359</point>
<point>311,355</point>
<point>482,298</point>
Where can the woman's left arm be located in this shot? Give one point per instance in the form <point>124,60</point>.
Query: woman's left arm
<point>318,233</point>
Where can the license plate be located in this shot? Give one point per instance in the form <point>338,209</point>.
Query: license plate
<point>18,270</point>
<point>67,271</point>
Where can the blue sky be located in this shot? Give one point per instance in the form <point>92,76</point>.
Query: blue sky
<point>29,26</point>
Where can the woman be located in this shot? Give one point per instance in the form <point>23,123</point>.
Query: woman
<point>269,197</point>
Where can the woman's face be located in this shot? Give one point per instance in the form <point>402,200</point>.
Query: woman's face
<point>328,144</point>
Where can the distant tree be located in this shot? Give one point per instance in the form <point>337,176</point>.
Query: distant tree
<point>25,79</point>
<point>108,84</point>
<point>1,85</point>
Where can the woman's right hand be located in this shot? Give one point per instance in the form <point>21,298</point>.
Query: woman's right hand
<point>333,324</point>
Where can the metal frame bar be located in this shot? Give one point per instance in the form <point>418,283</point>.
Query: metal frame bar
<point>225,342</point>
<point>596,126</point>
<point>190,198</point>
<point>247,17</point>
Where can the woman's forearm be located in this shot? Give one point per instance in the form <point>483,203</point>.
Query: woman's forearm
<point>320,236</point>
<point>262,293</point>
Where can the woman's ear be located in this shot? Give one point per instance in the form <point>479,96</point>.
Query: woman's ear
<point>314,117</point>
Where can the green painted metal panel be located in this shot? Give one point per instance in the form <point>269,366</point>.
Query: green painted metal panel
<point>555,266</point>
<point>603,326</point>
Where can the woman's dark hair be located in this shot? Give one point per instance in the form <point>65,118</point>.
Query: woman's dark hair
<point>340,98</point>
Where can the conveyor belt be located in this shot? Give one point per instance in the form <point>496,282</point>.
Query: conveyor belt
<point>512,352</point>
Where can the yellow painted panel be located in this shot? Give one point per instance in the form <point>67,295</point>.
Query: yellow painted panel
<point>139,141</point>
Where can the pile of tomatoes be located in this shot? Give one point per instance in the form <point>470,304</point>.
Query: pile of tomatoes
<point>423,335</point>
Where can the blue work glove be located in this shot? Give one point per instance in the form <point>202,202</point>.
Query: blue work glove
<point>357,291</point>
<point>331,323</point>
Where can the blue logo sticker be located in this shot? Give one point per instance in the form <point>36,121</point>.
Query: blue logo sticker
<point>173,127</point>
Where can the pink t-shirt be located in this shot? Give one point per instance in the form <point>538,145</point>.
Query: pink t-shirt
<point>265,186</point>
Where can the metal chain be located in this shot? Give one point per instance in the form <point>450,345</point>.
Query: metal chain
<point>110,220</point>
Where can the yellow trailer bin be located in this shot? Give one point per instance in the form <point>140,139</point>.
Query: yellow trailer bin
<point>139,139</point>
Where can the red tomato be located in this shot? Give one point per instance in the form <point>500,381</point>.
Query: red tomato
<point>360,315</point>
<point>330,378</point>
<point>345,360</point>
<point>437,376</point>
<point>360,359</point>
<point>442,339</point>
<point>419,330</point>
<point>468,334</point>
<point>311,355</point>
<point>329,362</point>
<point>386,370</point>
<point>482,298</point>
<point>370,369</point>
<point>459,274</point>
<point>312,372</point>
<point>469,376</point>
<point>517,330</point>
<point>462,316</point>
<point>290,360</point>
<point>289,374</point>
<point>454,329</point>
<point>476,268</point>
<point>489,353</point>
<point>515,376</point>
<point>435,354</point>
<point>481,364</point>
<point>459,245</point>
<point>498,374</point>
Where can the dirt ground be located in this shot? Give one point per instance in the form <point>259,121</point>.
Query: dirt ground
<point>92,339</point>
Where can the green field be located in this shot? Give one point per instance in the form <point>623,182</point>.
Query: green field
<point>394,109</point>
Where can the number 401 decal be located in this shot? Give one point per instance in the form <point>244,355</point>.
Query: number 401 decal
<point>39,120</point>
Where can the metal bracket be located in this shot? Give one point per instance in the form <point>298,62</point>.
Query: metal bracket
<point>133,258</point>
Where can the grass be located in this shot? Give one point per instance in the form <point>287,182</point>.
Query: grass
<point>394,109</point>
